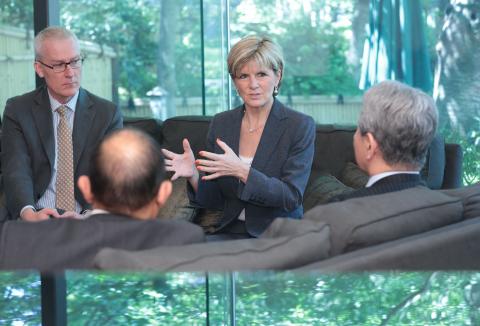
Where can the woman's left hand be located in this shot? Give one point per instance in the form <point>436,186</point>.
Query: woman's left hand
<point>220,165</point>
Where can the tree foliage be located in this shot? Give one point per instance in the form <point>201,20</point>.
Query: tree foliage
<point>261,298</point>
<point>454,36</point>
<point>314,41</point>
<point>20,298</point>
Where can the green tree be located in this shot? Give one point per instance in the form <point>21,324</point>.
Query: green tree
<point>126,26</point>
<point>20,298</point>
<point>314,42</point>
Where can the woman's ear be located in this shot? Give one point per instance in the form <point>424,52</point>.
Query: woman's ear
<point>280,76</point>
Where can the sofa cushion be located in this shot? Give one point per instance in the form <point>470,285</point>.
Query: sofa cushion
<point>209,219</point>
<point>353,176</point>
<point>333,148</point>
<point>320,188</point>
<point>194,128</point>
<point>283,252</point>
<point>470,197</point>
<point>152,127</point>
<point>362,222</point>
<point>178,206</point>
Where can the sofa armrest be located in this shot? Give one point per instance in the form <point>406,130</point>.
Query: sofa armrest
<point>452,177</point>
<point>453,247</point>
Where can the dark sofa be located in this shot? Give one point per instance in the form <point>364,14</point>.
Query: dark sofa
<point>416,228</point>
<point>333,148</point>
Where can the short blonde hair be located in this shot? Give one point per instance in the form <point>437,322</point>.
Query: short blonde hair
<point>261,49</point>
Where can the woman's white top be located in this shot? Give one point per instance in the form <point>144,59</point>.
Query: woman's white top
<point>249,161</point>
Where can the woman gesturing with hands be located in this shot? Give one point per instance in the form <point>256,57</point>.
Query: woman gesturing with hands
<point>258,156</point>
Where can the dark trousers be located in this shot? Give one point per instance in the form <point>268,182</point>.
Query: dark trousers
<point>236,230</point>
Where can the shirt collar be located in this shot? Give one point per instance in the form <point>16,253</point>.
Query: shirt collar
<point>54,104</point>
<point>377,177</point>
<point>95,211</point>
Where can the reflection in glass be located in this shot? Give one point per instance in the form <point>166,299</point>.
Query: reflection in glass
<point>389,298</point>
<point>140,298</point>
<point>20,300</point>
<point>453,29</point>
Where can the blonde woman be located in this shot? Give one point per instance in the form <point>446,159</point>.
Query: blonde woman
<point>259,155</point>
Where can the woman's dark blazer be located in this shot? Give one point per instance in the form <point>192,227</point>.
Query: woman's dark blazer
<point>279,171</point>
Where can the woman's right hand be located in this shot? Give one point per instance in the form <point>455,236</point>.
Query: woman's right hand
<point>183,165</point>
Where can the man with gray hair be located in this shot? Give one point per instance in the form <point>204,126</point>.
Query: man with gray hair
<point>48,134</point>
<point>395,129</point>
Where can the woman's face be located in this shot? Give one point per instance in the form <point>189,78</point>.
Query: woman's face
<point>255,85</point>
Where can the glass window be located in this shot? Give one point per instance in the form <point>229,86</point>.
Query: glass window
<point>16,49</point>
<point>453,28</point>
<point>322,43</point>
<point>144,55</point>
<point>389,298</point>
<point>136,298</point>
<point>20,300</point>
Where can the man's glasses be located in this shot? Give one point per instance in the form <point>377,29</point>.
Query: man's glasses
<point>61,67</point>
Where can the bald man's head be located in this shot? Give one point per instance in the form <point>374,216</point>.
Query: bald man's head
<point>126,171</point>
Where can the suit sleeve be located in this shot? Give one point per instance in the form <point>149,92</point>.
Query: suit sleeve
<point>285,192</point>
<point>117,120</point>
<point>16,164</point>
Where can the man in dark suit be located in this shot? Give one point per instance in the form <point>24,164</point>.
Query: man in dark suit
<point>126,186</point>
<point>48,134</point>
<point>395,129</point>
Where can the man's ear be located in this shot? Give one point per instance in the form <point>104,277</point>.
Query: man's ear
<point>38,69</point>
<point>164,192</point>
<point>371,145</point>
<point>85,187</point>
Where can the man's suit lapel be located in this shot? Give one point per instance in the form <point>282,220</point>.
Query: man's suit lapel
<point>42,115</point>
<point>274,129</point>
<point>84,114</point>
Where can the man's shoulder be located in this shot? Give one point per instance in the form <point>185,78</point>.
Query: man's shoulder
<point>172,231</point>
<point>109,217</point>
<point>25,100</point>
<point>95,99</point>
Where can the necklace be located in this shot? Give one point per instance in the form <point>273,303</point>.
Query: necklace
<point>250,129</point>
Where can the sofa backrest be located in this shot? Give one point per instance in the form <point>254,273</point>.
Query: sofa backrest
<point>362,222</point>
<point>333,147</point>
<point>453,247</point>
<point>287,251</point>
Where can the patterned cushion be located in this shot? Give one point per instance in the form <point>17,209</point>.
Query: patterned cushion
<point>320,188</point>
<point>178,205</point>
<point>353,176</point>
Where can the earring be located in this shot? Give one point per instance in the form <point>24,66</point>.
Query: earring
<point>275,91</point>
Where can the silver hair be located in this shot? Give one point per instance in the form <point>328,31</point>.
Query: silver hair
<point>402,119</point>
<point>51,32</point>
